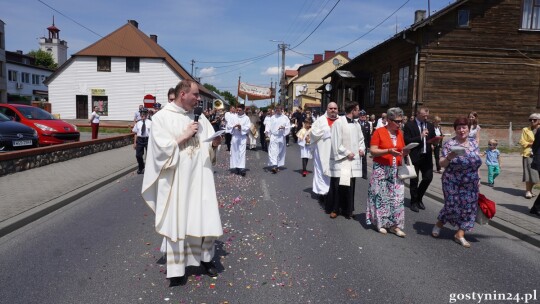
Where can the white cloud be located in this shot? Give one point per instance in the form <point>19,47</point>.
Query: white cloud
<point>207,71</point>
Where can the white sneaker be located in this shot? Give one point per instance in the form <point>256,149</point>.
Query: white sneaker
<point>528,194</point>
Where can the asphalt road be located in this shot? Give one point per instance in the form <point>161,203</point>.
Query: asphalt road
<point>278,247</point>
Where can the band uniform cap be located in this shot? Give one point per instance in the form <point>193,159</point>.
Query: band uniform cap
<point>534,116</point>
<point>362,113</point>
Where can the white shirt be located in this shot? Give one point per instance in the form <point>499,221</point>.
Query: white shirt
<point>95,117</point>
<point>137,128</point>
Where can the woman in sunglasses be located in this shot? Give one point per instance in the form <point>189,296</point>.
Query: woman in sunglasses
<point>530,176</point>
<point>386,191</point>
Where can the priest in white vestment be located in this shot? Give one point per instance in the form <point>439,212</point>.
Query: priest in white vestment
<point>348,148</point>
<point>321,133</point>
<point>178,184</point>
<point>280,126</point>
<point>238,126</point>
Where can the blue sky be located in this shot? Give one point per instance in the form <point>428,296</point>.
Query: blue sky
<point>220,35</point>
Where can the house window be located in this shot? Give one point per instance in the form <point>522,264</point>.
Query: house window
<point>531,11</point>
<point>102,102</point>
<point>403,86</point>
<point>104,64</point>
<point>25,77</point>
<point>371,100</point>
<point>463,18</point>
<point>132,65</point>
<point>385,89</point>
<point>1,69</point>
<point>1,41</point>
<point>35,79</point>
<point>12,76</point>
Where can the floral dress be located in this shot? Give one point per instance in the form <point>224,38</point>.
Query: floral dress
<point>386,194</point>
<point>460,186</point>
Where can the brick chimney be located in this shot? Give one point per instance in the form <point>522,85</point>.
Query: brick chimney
<point>134,23</point>
<point>317,58</point>
<point>329,54</point>
<point>154,37</point>
<point>344,53</point>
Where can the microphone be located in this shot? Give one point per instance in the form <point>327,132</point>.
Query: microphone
<point>197,112</point>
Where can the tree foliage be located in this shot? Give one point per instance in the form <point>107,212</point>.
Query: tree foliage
<point>226,94</point>
<point>43,58</point>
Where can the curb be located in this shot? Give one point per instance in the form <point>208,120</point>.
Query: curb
<point>36,213</point>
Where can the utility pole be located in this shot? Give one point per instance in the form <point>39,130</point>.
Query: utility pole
<point>192,64</point>
<point>283,82</point>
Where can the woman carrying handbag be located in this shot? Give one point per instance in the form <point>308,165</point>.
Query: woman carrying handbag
<point>386,191</point>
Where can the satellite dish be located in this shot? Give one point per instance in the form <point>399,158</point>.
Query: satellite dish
<point>335,62</point>
<point>328,87</point>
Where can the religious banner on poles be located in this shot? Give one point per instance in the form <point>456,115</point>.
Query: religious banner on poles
<point>252,92</point>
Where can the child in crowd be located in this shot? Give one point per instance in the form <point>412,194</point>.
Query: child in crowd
<point>493,161</point>
<point>304,142</point>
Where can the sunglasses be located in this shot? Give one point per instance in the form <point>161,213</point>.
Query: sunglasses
<point>531,120</point>
<point>398,121</point>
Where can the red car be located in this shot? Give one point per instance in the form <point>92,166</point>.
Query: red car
<point>50,130</point>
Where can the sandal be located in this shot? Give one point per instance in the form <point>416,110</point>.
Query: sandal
<point>382,231</point>
<point>436,231</point>
<point>398,232</point>
<point>462,241</point>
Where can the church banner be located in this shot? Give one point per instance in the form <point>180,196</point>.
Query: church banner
<point>252,92</point>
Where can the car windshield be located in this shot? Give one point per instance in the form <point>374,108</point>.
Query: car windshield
<point>35,113</point>
<point>4,117</point>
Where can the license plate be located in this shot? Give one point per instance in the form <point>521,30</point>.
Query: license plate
<point>19,143</point>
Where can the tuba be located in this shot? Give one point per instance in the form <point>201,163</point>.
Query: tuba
<point>218,104</point>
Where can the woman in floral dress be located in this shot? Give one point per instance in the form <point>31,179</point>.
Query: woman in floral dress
<point>460,182</point>
<point>386,191</point>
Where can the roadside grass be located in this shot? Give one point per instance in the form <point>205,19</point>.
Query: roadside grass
<point>106,130</point>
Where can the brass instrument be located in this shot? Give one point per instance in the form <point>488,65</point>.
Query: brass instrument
<point>218,104</point>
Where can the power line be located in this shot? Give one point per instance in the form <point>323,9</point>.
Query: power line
<point>90,30</point>
<point>376,26</point>
<point>317,25</point>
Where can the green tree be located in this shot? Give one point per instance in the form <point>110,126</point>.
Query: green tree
<point>211,88</point>
<point>229,97</point>
<point>43,59</point>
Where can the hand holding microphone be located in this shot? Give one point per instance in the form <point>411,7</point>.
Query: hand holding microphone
<point>197,113</point>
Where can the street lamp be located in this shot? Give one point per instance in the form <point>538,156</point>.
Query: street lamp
<point>283,82</point>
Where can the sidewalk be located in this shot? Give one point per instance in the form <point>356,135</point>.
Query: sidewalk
<point>28,195</point>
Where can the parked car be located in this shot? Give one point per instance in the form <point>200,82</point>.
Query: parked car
<point>50,130</point>
<point>15,135</point>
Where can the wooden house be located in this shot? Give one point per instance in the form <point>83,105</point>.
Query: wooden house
<point>473,55</point>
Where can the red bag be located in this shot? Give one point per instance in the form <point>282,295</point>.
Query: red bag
<point>486,205</point>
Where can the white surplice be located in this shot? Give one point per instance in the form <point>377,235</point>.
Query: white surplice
<point>178,186</point>
<point>320,141</point>
<point>276,148</point>
<point>305,145</point>
<point>346,138</point>
<point>238,140</point>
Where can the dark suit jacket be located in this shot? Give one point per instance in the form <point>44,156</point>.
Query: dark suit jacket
<point>366,131</point>
<point>411,134</point>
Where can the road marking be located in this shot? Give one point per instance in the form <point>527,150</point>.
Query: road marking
<point>266,193</point>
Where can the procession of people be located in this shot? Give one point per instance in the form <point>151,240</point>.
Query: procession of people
<point>181,148</point>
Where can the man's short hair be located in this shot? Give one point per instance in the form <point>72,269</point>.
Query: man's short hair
<point>241,106</point>
<point>183,86</point>
<point>350,106</point>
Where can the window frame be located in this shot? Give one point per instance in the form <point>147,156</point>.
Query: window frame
<point>403,85</point>
<point>13,75</point>
<point>371,96</point>
<point>25,77</point>
<point>385,89</point>
<point>530,15</point>
<point>36,79</point>
<point>459,14</point>
<point>133,64</point>
<point>103,63</point>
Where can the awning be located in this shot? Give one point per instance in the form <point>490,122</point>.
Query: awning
<point>40,92</point>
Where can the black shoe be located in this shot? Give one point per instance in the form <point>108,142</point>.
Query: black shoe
<point>414,207</point>
<point>237,171</point>
<point>421,205</point>
<point>140,171</point>
<point>243,172</point>
<point>274,170</point>
<point>534,211</point>
<point>211,270</point>
<point>178,281</point>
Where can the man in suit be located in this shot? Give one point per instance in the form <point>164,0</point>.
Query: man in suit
<point>420,131</point>
<point>366,130</point>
